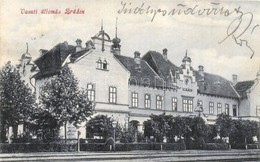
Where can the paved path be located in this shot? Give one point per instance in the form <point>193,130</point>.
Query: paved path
<point>187,155</point>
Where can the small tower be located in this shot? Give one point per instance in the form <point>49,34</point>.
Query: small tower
<point>26,57</point>
<point>102,40</point>
<point>25,66</point>
<point>186,70</point>
<point>186,60</point>
<point>115,48</point>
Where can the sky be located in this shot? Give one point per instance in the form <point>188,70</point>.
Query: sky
<point>153,27</point>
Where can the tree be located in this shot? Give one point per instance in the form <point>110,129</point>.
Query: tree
<point>181,127</point>
<point>101,125</point>
<point>62,98</point>
<point>17,100</point>
<point>44,125</point>
<point>243,131</point>
<point>158,126</point>
<point>224,124</point>
<point>199,128</point>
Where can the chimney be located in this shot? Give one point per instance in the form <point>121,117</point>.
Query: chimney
<point>201,72</point>
<point>234,79</point>
<point>78,46</point>
<point>165,53</point>
<point>137,59</point>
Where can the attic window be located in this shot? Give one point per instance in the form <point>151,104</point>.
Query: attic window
<point>104,64</point>
<point>99,64</point>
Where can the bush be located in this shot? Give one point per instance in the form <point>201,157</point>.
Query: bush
<point>29,147</point>
<point>243,146</point>
<point>93,147</point>
<point>131,146</point>
<point>196,144</point>
<point>252,146</point>
<point>215,146</point>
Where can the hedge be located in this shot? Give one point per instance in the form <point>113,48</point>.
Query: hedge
<point>131,146</point>
<point>28,147</point>
<point>59,147</point>
<point>23,148</point>
<point>243,146</point>
<point>215,146</point>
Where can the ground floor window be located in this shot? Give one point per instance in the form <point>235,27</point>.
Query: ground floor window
<point>234,110</point>
<point>211,108</point>
<point>134,99</point>
<point>147,101</point>
<point>187,104</point>
<point>159,100</point>
<point>91,92</point>
<point>174,104</point>
<point>112,95</point>
<point>227,109</point>
<point>258,110</point>
<point>219,108</point>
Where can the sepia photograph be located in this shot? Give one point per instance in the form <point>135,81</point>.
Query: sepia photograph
<point>129,80</point>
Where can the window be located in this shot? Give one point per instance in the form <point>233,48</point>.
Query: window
<point>211,108</point>
<point>159,102</point>
<point>104,64</point>
<point>174,104</point>
<point>219,108</point>
<point>91,92</point>
<point>227,109</point>
<point>112,94</point>
<point>187,81</point>
<point>187,105</point>
<point>258,110</point>
<point>99,64</point>
<point>147,101</point>
<point>134,99</point>
<point>234,110</point>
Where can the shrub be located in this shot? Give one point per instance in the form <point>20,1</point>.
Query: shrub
<point>29,147</point>
<point>215,146</point>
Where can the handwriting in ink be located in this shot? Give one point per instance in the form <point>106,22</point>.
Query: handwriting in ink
<point>180,9</point>
<point>238,31</point>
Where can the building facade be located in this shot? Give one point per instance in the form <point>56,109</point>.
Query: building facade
<point>133,88</point>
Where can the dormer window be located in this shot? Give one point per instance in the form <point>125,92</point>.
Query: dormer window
<point>99,64</point>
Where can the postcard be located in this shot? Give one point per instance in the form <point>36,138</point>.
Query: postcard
<point>136,59</point>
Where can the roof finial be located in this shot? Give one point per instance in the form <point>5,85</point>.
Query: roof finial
<point>116,27</point>
<point>101,24</point>
<point>186,53</point>
<point>26,47</point>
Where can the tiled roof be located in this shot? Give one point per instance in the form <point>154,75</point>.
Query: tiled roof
<point>139,75</point>
<point>242,87</point>
<point>212,84</point>
<point>215,85</point>
<point>51,61</point>
<point>161,65</point>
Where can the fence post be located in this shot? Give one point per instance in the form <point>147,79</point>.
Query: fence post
<point>78,142</point>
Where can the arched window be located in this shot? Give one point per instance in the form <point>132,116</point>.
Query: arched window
<point>104,64</point>
<point>99,64</point>
<point>187,81</point>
